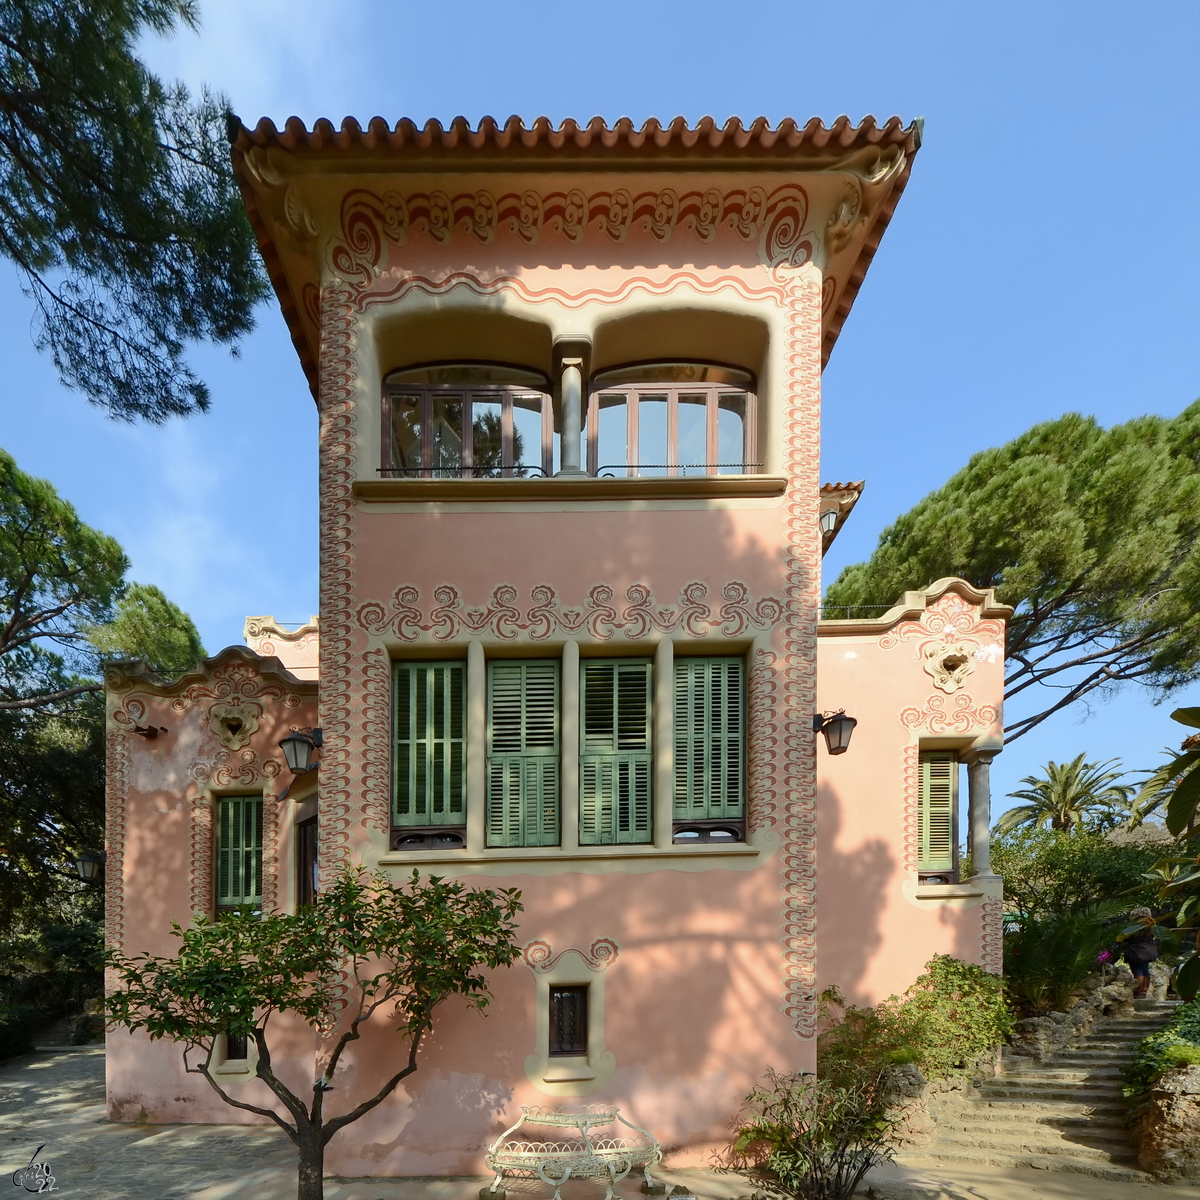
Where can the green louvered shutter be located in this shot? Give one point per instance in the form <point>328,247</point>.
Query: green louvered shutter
<point>239,850</point>
<point>938,797</point>
<point>522,771</point>
<point>431,748</point>
<point>710,738</point>
<point>615,762</point>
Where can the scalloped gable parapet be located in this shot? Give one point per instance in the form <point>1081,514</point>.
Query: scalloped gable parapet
<point>127,673</point>
<point>913,605</point>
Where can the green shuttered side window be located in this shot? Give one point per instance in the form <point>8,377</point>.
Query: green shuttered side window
<point>430,706</point>
<point>239,850</point>
<point>615,764</point>
<point>522,767</point>
<point>710,738</point>
<point>938,799</point>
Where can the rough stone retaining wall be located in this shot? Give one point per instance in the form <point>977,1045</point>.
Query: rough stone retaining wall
<point>1169,1127</point>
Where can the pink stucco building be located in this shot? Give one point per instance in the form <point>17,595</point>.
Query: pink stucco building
<point>570,636</point>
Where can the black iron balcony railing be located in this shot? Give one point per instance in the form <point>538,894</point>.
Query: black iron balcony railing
<point>613,470</point>
<point>853,612</point>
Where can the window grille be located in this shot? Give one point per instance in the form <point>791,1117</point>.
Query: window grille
<point>237,1047</point>
<point>522,771</point>
<point>239,850</point>
<point>710,732</point>
<point>615,764</point>
<point>467,421</point>
<point>430,715</point>
<point>672,419</point>
<point>938,800</point>
<point>569,1021</point>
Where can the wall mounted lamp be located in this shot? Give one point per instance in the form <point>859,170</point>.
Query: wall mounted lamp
<point>88,865</point>
<point>829,520</point>
<point>298,749</point>
<point>837,728</point>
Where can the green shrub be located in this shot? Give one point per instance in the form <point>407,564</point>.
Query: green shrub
<point>950,1016</point>
<point>18,1023</point>
<point>1176,1044</point>
<point>1182,1056</point>
<point>811,1139</point>
<point>1047,957</point>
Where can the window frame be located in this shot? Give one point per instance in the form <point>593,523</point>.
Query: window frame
<point>534,765</point>
<point>701,824</point>
<point>555,1046</point>
<point>927,867</point>
<point>224,901</point>
<point>306,834</point>
<point>616,757</point>
<point>429,391</point>
<point>429,833</point>
<point>713,380</point>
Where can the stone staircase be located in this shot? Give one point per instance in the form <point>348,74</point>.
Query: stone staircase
<point>1065,1114</point>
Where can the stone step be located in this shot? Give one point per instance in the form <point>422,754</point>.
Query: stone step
<point>1033,1143</point>
<point>1065,1074</point>
<point>1072,1121</point>
<point>1018,1134</point>
<point>1111,1109</point>
<point>1031,1091</point>
<point>1078,1166</point>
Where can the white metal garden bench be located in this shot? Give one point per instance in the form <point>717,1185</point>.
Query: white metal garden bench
<point>583,1157</point>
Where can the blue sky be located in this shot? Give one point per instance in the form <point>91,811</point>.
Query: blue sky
<point>1043,259</point>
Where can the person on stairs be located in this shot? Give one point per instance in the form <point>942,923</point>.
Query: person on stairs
<point>1141,948</point>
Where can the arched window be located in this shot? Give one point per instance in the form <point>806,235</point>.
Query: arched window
<point>672,418</point>
<point>466,421</point>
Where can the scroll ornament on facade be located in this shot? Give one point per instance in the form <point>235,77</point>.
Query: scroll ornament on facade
<point>539,955</point>
<point>950,639</point>
<point>599,617</point>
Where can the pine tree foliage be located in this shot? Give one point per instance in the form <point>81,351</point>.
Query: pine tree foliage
<point>1091,534</point>
<point>118,204</point>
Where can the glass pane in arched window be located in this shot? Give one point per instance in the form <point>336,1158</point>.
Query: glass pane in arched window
<point>732,451</point>
<point>406,434</point>
<point>527,435</point>
<point>447,437</point>
<point>652,435</point>
<point>693,432</point>
<point>612,431</point>
<point>487,435</point>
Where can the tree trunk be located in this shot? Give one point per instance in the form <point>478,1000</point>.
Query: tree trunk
<point>312,1165</point>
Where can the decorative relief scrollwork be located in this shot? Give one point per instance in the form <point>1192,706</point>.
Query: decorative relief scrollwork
<point>950,639</point>
<point>234,724</point>
<point>962,717</point>
<point>228,769</point>
<point>539,955</point>
<point>912,808</point>
<point>991,936</point>
<point>599,617</point>
<point>369,221</point>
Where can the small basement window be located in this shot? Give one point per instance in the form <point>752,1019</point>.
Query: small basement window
<point>569,1021</point>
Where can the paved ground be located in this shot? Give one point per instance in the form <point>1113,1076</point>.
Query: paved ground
<point>57,1097</point>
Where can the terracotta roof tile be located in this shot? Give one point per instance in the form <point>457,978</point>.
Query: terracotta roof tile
<point>514,138</point>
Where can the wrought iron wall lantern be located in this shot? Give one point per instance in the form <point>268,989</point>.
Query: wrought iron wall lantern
<point>88,865</point>
<point>298,749</point>
<point>837,728</point>
<point>829,520</point>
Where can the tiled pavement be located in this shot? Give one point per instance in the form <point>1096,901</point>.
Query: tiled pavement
<point>57,1097</point>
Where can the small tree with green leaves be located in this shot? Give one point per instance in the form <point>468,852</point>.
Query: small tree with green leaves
<point>364,947</point>
<point>1069,796</point>
<point>1177,877</point>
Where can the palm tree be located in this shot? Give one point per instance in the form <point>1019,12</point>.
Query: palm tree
<point>1067,795</point>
